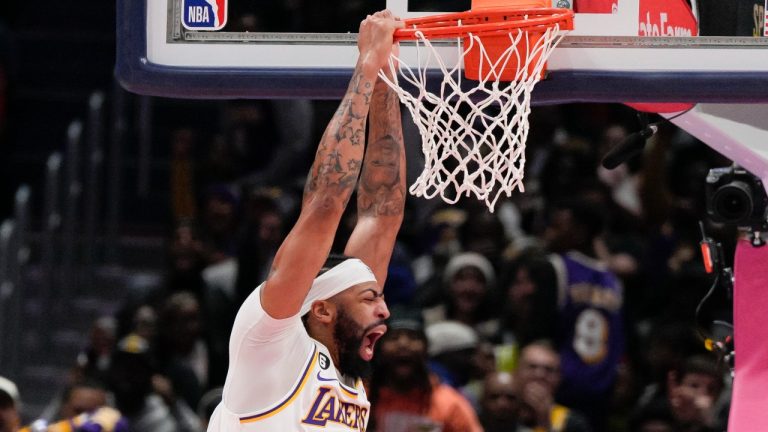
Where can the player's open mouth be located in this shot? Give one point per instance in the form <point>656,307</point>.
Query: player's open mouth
<point>369,341</point>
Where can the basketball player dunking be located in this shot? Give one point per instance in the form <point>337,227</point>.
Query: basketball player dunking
<point>301,342</point>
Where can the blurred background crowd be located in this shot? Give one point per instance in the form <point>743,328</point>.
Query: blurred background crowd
<point>575,306</point>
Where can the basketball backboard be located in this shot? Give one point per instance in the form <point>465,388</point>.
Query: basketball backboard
<point>603,60</point>
<point>637,52</point>
<point>633,53</point>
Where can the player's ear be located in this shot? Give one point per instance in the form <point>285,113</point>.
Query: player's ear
<point>323,311</point>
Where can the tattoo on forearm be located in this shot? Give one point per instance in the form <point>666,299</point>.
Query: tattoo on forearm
<point>382,188</point>
<point>331,174</point>
<point>334,170</point>
<point>350,116</point>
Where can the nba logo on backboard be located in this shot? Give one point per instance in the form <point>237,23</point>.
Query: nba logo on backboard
<point>204,14</point>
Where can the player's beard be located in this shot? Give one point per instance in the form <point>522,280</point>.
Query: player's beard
<point>348,335</point>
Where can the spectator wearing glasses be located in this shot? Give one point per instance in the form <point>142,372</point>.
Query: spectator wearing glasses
<point>536,380</point>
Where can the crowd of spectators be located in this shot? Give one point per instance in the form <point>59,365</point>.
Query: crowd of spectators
<point>570,308</point>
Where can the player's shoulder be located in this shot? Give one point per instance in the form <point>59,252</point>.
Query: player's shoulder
<point>255,325</point>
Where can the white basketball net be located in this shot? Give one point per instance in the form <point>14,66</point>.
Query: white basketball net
<point>473,139</point>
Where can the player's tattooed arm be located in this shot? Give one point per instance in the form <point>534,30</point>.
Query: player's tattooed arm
<point>340,153</point>
<point>381,190</point>
<point>332,177</point>
<point>382,185</point>
<point>350,115</point>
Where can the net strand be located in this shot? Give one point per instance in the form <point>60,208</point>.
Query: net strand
<point>473,139</point>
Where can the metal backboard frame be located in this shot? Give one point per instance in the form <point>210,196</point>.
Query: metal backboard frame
<point>601,61</point>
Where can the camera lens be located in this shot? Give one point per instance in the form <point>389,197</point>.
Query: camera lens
<point>733,202</point>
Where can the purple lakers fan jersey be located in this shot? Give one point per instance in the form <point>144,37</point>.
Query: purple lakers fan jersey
<point>589,325</point>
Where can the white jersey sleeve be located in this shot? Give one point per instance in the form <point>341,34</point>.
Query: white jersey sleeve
<point>265,355</point>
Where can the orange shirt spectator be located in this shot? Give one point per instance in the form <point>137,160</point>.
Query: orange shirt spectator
<point>445,408</point>
<point>405,396</point>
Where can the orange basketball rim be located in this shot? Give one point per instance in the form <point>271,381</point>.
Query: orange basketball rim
<point>495,27</point>
<point>474,131</point>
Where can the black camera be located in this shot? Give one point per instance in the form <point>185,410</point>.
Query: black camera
<point>737,197</point>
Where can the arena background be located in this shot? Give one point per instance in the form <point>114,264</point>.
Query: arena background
<point>169,187</point>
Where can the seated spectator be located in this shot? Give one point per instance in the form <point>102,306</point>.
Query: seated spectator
<point>536,381</point>
<point>483,364</point>
<point>93,361</point>
<point>145,398</point>
<point>667,350</point>
<point>9,406</point>
<point>405,395</point>
<point>498,403</point>
<point>439,237</point>
<point>145,322</point>
<point>691,395</point>
<point>219,223</point>
<point>84,397</point>
<point>586,303</point>
<point>182,352</point>
<point>468,279</point>
<point>452,347</point>
<point>528,314</point>
<point>187,259</point>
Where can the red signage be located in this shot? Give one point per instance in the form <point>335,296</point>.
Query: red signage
<point>666,18</point>
<point>595,6</point>
<point>657,17</point>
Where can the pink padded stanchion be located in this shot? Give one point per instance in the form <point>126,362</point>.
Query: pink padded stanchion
<point>750,309</point>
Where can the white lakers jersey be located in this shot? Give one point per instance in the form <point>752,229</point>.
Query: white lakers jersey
<point>311,395</point>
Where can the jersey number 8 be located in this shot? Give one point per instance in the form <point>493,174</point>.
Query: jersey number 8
<point>590,340</point>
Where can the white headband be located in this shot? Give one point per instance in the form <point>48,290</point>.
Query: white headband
<point>342,276</point>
